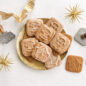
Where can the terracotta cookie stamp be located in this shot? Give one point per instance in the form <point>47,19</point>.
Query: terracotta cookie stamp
<point>74,63</point>
<point>80,37</point>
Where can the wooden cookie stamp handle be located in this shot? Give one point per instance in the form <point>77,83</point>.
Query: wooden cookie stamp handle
<point>83,36</point>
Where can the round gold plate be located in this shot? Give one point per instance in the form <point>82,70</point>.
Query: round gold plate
<point>30,61</point>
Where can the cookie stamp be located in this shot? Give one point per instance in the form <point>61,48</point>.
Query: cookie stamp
<point>6,37</point>
<point>80,37</point>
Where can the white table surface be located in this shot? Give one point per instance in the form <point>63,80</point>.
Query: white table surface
<point>20,74</point>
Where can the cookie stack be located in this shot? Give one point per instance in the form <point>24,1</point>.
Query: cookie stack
<point>45,42</point>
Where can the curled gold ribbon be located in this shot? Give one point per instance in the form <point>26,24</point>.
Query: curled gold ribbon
<point>28,8</point>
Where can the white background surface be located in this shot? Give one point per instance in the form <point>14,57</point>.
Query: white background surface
<point>20,74</point>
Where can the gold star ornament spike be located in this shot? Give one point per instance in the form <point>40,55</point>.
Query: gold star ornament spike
<point>5,62</point>
<point>74,13</point>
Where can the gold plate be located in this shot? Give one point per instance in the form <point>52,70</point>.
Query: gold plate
<point>31,62</point>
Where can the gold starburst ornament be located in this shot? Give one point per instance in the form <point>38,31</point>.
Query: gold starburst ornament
<point>74,13</point>
<point>5,62</point>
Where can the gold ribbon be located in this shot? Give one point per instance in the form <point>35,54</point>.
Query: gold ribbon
<point>27,9</point>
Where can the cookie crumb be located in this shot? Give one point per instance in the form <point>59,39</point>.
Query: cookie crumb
<point>74,63</point>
